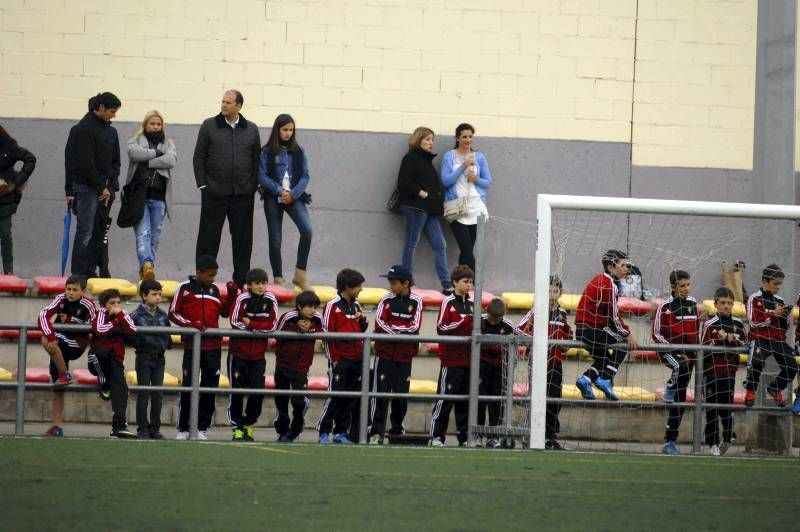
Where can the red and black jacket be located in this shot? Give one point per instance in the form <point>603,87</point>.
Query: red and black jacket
<point>557,329</point>
<point>398,315</point>
<point>677,321</point>
<point>493,353</point>
<point>80,312</point>
<point>199,307</point>
<point>262,311</point>
<point>721,364</point>
<point>455,319</point>
<point>109,332</point>
<point>340,316</point>
<point>597,308</point>
<point>764,324</point>
<point>296,355</point>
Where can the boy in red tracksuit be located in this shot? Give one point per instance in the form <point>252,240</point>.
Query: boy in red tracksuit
<point>109,328</point>
<point>255,309</point>
<point>557,329</point>
<point>343,314</point>
<point>768,316</point>
<point>676,321</point>
<point>197,303</point>
<point>720,370</point>
<point>399,312</point>
<point>455,318</point>
<point>70,307</point>
<point>598,326</point>
<point>491,365</point>
<point>293,359</point>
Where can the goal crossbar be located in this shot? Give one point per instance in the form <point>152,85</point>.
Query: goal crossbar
<point>545,205</point>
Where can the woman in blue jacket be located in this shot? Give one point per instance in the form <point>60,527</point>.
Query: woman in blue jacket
<point>283,176</point>
<point>465,173</point>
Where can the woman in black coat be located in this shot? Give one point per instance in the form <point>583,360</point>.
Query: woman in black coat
<point>422,203</point>
<point>12,183</point>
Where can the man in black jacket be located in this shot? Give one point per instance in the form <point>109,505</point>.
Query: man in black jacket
<point>88,159</point>
<point>226,171</point>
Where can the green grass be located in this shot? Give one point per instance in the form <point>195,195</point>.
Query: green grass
<point>86,484</point>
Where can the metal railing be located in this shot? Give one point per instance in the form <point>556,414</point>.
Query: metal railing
<point>365,394</point>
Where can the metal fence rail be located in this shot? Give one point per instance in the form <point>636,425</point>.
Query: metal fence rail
<point>511,342</point>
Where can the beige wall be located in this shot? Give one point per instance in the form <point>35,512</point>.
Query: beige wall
<point>560,69</point>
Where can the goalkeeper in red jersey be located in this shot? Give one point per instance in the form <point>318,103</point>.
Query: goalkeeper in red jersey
<point>598,326</point>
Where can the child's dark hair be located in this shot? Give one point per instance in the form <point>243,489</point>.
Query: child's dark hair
<point>79,280</point>
<point>348,278</point>
<point>723,291</point>
<point>611,257</point>
<point>306,298</point>
<point>147,286</point>
<point>677,275</point>
<point>496,307</point>
<point>256,275</point>
<point>462,271</point>
<point>205,263</point>
<point>273,144</point>
<point>555,280</point>
<point>772,271</point>
<point>107,295</point>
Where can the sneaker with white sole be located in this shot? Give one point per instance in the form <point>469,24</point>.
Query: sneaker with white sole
<point>723,447</point>
<point>342,439</point>
<point>182,435</point>
<point>324,438</point>
<point>584,384</point>
<point>493,444</point>
<point>202,435</point>
<point>436,442</point>
<point>715,450</point>
<point>670,448</point>
<point>375,439</point>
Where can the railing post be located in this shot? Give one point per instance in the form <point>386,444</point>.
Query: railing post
<point>475,346</point>
<point>194,403</point>
<point>697,418</point>
<point>363,418</point>
<point>511,367</point>
<point>22,357</point>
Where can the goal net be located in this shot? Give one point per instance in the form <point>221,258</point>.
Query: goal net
<point>649,398</point>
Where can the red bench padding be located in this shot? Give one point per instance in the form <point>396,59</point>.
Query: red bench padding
<point>318,383</point>
<point>12,283</point>
<point>645,355</point>
<point>281,293</point>
<point>14,334</point>
<point>430,298</point>
<point>486,297</point>
<point>37,375</point>
<point>635,306</point>
<point>47,285</point>
<point>83,376</point>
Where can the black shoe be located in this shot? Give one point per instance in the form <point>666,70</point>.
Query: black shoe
<point>123,434</point>
<point>143,434</point>
<point>156,435</point>
<point>553,445</point>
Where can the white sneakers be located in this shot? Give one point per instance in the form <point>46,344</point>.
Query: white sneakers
<point>184,435</point>
<point>436,442</point>
<point>715,450</point>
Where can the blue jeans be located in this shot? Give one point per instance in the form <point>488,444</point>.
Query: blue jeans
<point>418,221</point>
<point>148,231</point>
<point>298,212</point>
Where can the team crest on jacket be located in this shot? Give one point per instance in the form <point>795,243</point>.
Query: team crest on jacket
<point>382,376</point>
<point>410,309</point>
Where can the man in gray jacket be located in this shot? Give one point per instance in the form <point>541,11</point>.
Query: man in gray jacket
<point>226,171</point>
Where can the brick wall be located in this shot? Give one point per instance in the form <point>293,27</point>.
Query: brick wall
<point>553,69</point>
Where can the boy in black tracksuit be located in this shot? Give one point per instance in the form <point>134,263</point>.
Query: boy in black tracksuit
<point>399,312</point>
<point>110,327</point>
<point>455,318</point>
<point>343,314</point>
<point>256,310</point>
<point>150,359</point>
<point>492,363</point>
<point>293,358</point>
<point>197,303</point>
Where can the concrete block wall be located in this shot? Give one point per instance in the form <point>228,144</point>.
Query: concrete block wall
<point>554,69</point>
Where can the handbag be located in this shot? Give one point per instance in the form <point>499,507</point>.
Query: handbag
<point>393,205</point>
<point>456,208</point>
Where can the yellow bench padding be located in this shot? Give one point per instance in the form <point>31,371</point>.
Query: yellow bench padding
<point>525,300</point>
<point>371,296</point>
<point>6,375</point>
<point>126,288</point>
<point>625,393</point>
<point>738,309</point>
<point>324,293</point>
<point>169,379</point>
<point>422,386</point>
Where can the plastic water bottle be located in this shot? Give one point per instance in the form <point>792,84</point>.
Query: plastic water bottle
<point>285,184</point>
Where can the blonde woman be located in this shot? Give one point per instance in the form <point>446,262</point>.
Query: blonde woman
<point>151,156</point>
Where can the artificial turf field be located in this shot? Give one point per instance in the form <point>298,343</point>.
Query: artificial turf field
<point>100,484</point>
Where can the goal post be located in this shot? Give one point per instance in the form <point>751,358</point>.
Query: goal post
<point>546,204</point>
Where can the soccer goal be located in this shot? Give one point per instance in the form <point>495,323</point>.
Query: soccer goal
<point>717,244</point>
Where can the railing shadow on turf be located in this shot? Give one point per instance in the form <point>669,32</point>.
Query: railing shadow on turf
<point>512,343</point>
